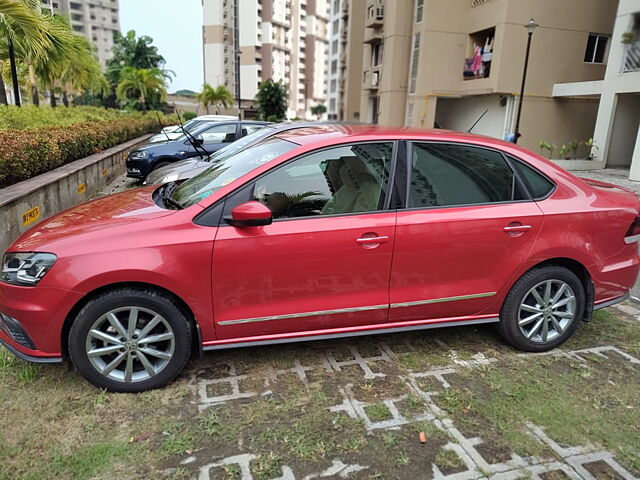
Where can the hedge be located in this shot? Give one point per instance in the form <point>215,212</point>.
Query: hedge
<point>27,153</point>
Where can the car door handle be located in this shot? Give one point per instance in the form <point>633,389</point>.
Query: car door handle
<point>517,228</point>
<point>369,240</point>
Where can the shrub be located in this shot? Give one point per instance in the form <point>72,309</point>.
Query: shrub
<point>186,116</point>
<point>30,152</point>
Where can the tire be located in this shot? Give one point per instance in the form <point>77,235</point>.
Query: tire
<point>525,315</point>
<point>146,356</point>
<point>160,165</point>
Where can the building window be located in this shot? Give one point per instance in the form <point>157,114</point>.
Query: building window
<point>334,47</point>
<point>419,8</point>
<point>334,85</point>
<point>334,66</point>
<point>336,26</point>
<point>336,6</point>
<point>75,6</point>
<point>332,105</point>
<point>409,120</point>
<point>415,59</point>
<point>596,51</point>
<point>376,55</point>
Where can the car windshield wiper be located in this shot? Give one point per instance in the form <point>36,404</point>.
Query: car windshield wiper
<point>166,195</point>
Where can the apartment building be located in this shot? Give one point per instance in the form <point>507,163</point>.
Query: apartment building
<point>346,27</point>
<point>616,132</point>
<point>97,20</point>
<point>279,39</point>
<point>444,62</point>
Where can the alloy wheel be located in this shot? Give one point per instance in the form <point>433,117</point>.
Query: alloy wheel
<point>546,311</point>
<point>130,344</point>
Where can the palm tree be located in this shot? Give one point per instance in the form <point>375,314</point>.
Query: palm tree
<point>141,83</point>
<point>81,71</point>
<point>214,96</point>
<point>21,22</point>
<point>64,48</point>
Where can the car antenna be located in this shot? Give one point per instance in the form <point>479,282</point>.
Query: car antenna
<point>479,118</point>
<point>192,140</point>
<point>161,127</point>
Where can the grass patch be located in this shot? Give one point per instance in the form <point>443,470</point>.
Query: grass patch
<point>377,412</point>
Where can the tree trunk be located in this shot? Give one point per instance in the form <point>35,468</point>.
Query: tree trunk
<point>52,98</point>
<point>65,100</point>
<point>14,73</point>
<point>3,92</point>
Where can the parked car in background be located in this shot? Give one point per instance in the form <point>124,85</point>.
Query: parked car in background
<point>174,131</point>
<point>316,233</point>
<point>186,169</point>
<point>202,142</point>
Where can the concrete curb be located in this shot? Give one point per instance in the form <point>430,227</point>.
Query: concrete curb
<point>24,204</point>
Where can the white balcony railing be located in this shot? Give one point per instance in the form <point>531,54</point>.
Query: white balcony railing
<point>632,58</point>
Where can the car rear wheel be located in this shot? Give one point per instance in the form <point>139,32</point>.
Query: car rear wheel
<point>543,309</point>
<point>130,340</point>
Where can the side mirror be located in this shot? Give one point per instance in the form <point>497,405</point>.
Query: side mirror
<point>250,214</point>
<point>199,140</point>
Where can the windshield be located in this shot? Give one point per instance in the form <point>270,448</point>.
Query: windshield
<point>225,171</point>
<point>238,145</point>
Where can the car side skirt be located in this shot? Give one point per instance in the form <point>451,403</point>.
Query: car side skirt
<point>343,332</point>
<point>612,301</point>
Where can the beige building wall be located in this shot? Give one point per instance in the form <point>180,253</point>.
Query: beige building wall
<point>446,33</point>
<point>384,88</point>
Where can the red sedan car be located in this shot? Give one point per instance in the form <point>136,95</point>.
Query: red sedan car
<point>317,233</point>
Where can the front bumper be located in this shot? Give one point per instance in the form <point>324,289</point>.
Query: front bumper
<point>40,312</point>
<point>137,168</point>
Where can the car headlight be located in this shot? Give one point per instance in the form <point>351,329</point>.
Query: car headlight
<point>26,269</point>
<point>169,178</point>
<point>139,155</point>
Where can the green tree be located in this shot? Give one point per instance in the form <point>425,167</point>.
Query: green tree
<point>81,71</point>
<point>144,86</point>
<point>318,110</point>
<point>20,23</point>
<point>217,96</point>
<point>271,100</point>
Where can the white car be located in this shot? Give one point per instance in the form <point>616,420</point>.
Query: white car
<point>174,131</point>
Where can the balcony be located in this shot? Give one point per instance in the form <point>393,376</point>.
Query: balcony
<point>371,79</point>
<point>375,14</point>
<point>480,54</point>
<point>632,58</point>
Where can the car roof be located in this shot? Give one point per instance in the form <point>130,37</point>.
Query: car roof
<point>341,133</point>
<point>216,117</point>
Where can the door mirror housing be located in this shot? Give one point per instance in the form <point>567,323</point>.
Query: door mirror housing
<point>250,214</point>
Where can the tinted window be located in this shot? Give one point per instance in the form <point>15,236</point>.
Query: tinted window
<point>218,134</point>
<point>238,145</point>
<point>538,185</point>
<point>338,180</point>
<point>460,175</point>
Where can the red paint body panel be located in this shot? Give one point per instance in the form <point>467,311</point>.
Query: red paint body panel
<point>299,266</point>
<point>305,265</point>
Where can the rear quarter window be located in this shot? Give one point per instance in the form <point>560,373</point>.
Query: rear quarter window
<point>538,185</point>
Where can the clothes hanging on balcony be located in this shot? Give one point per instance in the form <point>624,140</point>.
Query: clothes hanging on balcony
<point>488,50</point>
<point>476,66</point>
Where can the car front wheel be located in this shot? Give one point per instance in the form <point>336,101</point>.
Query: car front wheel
<point>130,340</point>
<point>543,309</point>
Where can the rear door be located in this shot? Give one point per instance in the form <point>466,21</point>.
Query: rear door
<point>468,225</point>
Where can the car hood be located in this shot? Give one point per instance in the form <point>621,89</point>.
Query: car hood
<point>82,221</point>
<point>185,169</point>
<point>162,147</point>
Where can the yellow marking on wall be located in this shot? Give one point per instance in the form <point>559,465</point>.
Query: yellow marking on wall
<point>31,216</point>
<point>82,188</point>
<point>104,172</point>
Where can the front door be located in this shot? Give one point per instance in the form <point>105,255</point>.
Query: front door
<point>324,262</point>
<point>468,226</point>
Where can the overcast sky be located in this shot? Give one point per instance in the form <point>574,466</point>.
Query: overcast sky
<point>176,29</point>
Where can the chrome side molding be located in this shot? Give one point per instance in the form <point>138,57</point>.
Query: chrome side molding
<point>354,309</point>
